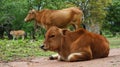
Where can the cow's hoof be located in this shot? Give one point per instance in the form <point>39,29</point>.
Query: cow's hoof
<point>51,58</point>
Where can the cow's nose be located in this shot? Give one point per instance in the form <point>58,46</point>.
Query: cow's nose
<point>42,46</point>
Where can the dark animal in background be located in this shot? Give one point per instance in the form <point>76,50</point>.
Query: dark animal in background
<point>1,31</point>
<point>5,28</point>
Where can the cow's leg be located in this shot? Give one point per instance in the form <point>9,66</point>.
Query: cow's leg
<point>79,56</point>
<point>23,37</point>
<point>17,37</point>
<point>55,56</point>
<point>14,37</point>
<point>76,21</point>
<point>76,25</point>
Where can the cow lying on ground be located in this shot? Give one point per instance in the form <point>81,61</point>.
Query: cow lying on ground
<point>75,46</point>
<point>60,18</point>
<point>16,34</point>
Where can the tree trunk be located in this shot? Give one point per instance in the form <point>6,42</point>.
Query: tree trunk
<point>94,27</point>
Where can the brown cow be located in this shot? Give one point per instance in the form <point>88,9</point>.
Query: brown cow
<point>60,18</point>
<point>75,46</point>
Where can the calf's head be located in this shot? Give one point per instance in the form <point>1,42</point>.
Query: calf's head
<point>11,32</point>
<point>53,38</point>
<point>30,16</point>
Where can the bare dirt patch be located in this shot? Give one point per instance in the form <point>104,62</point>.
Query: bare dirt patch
<point>112,61</point>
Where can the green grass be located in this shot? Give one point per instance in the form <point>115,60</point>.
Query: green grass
<point>14,50</point>
<point>114,42</point>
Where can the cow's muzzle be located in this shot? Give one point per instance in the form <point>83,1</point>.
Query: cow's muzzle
<point>26,20</point>
<point>42,47</point>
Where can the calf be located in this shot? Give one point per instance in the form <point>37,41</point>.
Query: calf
<point>17,34</point>
<point>75,46</point>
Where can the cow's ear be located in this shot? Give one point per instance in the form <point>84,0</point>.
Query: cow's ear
<point>63,31</point>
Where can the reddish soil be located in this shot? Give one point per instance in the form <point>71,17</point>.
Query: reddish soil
<point>112,61</point>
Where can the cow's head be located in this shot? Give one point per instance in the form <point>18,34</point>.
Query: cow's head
<point>11,32</point>
<point>30,16</point>
<point>53,39</point>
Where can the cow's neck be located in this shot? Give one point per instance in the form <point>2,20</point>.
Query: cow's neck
<point>38,17</point>
<point>65,45</point>
<point>67,41</point>
<point>64,48</point>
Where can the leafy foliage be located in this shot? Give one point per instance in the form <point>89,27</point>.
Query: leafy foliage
<point>94,13</point>
<point>14,12</point>
<point>112,18</point>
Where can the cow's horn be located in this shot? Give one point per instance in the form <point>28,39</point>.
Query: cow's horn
<point>62,31</point>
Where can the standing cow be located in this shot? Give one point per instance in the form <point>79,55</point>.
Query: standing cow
<point>75,46</point>
<point>60,18</point>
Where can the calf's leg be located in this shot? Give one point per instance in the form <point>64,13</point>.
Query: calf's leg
<point>56,56</point>
<point>81,56</point>
<point>23,37</point>
<point>52,57</point>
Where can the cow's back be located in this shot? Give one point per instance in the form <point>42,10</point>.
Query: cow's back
<point>61,18</point>
<point>21,32</point>
<point>55,17</point>
<point>18,32</point>
<point>99,46</point>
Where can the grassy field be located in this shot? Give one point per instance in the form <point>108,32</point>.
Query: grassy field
<point>16,50</point>
<point>114,42</point>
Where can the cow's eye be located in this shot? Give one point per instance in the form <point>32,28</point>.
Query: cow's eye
<point>52,36</point>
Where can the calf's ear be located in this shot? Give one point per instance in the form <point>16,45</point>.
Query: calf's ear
<point>63,31</point>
